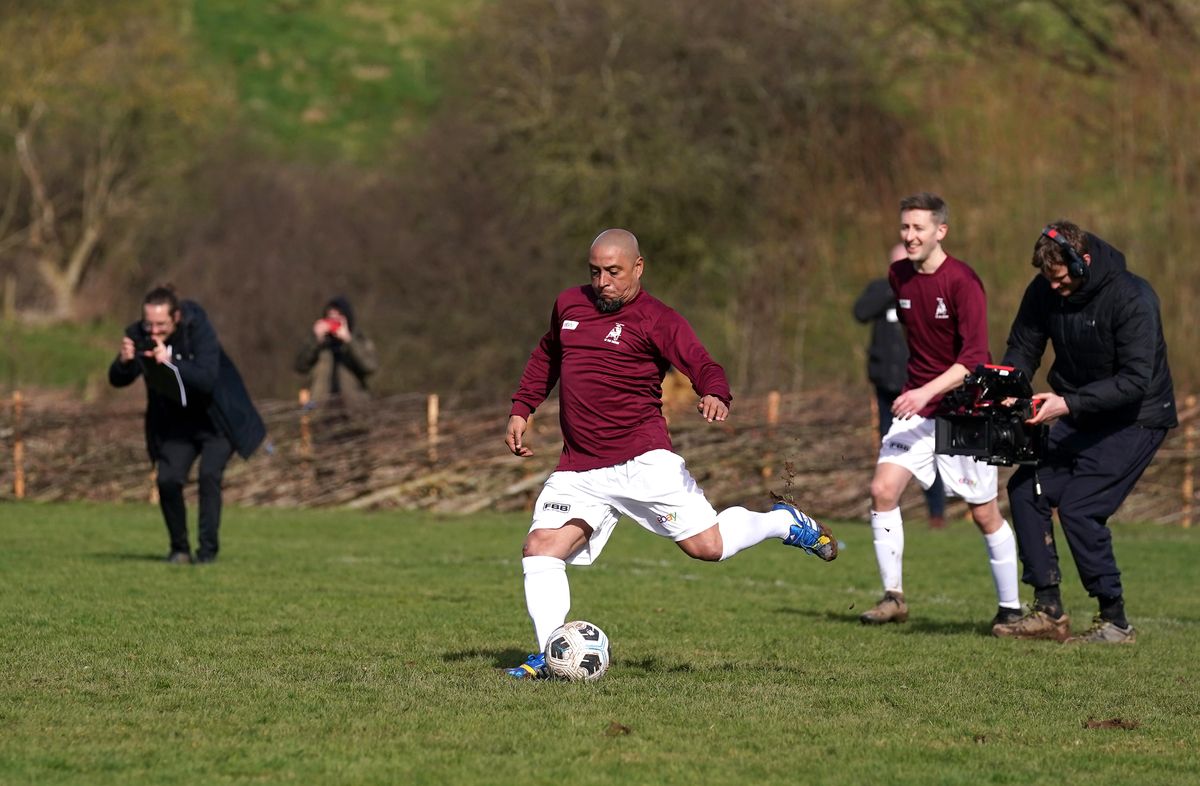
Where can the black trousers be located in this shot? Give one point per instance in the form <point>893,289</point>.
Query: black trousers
<point>175,458</point>
<point>1086,475</point>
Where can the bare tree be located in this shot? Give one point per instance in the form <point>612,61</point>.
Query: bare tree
<point>100,112</point>
<point>63,250</point>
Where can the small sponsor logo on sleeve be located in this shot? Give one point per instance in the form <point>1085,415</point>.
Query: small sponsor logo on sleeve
<point>569,324</point>
<point>561,507</point>
<point>904,303</point>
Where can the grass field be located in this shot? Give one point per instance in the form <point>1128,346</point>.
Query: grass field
<point>65,356</point>
<point>332,78</point>
<point>349,648</point>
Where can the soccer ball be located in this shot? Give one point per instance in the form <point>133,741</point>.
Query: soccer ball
<point>577,651</point>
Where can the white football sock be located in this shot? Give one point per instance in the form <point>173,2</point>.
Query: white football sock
<point>1002,553</point>
<point>887,527</point>
<point>547,595</point>
<point>740,528</point>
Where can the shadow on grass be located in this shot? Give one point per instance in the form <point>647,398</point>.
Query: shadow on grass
<point>126,556</point>
<point>825,616</point>
<point>501,659</point>
<point>652,665</point>
<point>913,626</point>
<point>507,658</point>
<point>954,628</point>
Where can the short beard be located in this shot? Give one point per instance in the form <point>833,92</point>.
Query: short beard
<point>609,306</point>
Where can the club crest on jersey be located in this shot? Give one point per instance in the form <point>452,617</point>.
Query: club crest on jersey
<point>942,312</point>
<point>614,335</point>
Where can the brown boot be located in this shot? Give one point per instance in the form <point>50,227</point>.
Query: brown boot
<point>1036,624</point>
<point>890,608</point>
<point>1105,632</point>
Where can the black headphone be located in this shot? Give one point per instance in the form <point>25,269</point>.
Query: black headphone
<point>1076,267</point>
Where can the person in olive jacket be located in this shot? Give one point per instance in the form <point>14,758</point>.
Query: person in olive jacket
<point>196,406</point>
<point>1111,406</point>
<point>337,356</point>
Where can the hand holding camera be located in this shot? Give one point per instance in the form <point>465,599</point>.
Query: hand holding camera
<point>331,328</point>
<point>1048,407</point>
<point>141,346</point>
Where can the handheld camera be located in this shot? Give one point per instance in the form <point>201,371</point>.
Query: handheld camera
<point>985,419</point>
<point>144,342</point>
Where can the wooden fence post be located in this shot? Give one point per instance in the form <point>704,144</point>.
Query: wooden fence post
<point>767,466</point>
<point>1189,463</point>
<point>773,409</point>
<point>305,424</point>
<point>18,448</point>
<point>431,422</point>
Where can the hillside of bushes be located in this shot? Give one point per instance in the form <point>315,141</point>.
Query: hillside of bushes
<point>445,165</point>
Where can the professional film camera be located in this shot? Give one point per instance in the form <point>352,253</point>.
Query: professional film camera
<point>985,418</point>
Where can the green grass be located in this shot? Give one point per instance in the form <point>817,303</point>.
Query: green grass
<point>347,648</point>
<point>331,78</point>
<point>68,356</point>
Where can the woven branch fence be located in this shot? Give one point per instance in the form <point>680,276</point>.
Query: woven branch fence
<point>446,454</point>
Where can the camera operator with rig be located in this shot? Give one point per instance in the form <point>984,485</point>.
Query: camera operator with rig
<point>1111,406</point>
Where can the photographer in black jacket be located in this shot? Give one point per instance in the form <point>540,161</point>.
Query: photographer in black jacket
<point>196,405</point>
<point>1112,405</point>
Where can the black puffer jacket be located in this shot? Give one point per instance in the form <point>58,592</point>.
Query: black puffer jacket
<point>1110,359</point>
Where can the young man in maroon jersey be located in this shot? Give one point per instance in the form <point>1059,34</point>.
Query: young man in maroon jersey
<point>941,304</point>
<point>608,348</point>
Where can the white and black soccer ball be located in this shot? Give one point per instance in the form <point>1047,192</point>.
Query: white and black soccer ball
<point>577,651</point>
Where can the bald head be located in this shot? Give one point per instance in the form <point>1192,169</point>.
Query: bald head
<point>898,252</point>
<point>616,267</point>
<point>621,239</point>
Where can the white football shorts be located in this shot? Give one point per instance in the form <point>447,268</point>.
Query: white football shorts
<point>910,442</point>
<point>654,489</point>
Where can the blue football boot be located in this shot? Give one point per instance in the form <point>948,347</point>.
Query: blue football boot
<point>534,667</point>
<point>809,534</point>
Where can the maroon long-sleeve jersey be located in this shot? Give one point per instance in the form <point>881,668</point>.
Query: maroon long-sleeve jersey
<point>609,369</point>
<point>945,320</point>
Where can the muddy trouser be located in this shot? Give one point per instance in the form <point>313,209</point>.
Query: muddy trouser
<point>1086,475</point>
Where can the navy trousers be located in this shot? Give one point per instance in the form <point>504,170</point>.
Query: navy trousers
<point>1086,475</point>
<point>175,458</point>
